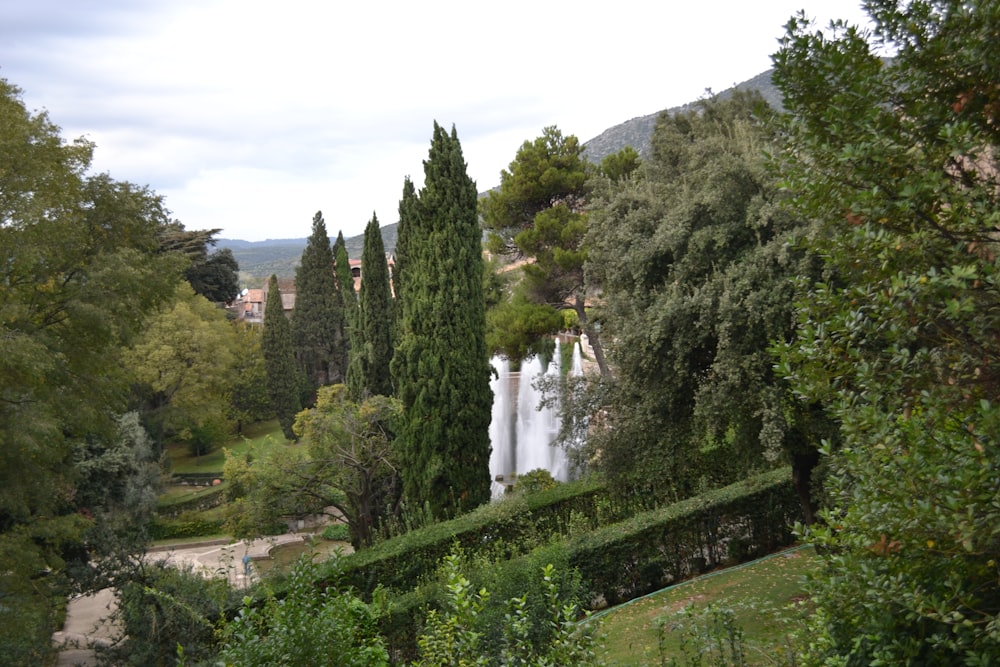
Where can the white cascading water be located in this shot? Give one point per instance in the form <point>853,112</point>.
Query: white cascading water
<point>520,433</point>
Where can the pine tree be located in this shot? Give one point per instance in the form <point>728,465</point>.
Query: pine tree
<point>375,323</point>
<point>279,360</point>
<point>318,319</point>
<point>441,367</point>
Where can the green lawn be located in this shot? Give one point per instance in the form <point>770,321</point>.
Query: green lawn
<point>259,437</point>
<point>757,594</point>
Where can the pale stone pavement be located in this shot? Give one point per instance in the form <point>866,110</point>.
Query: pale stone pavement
<point>86,623</point>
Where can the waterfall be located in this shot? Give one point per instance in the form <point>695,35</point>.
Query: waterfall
<point>520,433</point>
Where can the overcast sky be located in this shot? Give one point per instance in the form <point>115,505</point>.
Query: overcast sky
<point>251,116</point>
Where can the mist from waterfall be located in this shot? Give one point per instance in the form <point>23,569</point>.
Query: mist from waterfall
<point>520,433</point>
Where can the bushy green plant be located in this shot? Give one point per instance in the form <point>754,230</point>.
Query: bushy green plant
<point>164,608</point>
<point>337,532</point>
<point>534,481</point>
<point>310,625</point>
<point>456,633</point>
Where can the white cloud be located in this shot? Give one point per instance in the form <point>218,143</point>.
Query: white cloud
<point>251,115</point>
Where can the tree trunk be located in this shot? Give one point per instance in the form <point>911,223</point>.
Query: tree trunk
<point>592,335</point>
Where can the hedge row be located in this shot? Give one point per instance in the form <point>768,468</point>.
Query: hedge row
<point>653,549</point>
<point>205,500</point>
<point>507,528</point>
<point>647,552</point>
<point>184,527</point>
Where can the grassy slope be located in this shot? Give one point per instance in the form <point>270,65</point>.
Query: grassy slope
<point>756,592</point>
<point>259,437</point>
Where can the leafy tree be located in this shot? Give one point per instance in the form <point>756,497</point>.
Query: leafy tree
<point>897,161</point>
<point>184,359</point>
<point>249,399</point>
<point>698,283</point>
<point>619,166</point>
<point>347,468</point>
<point>80,268</point>
<point>538,213</point>
<point>279,360</point>
<point>440,366</point>
<point>318,331</point>
<point>351,453</point>
<point>164,609</point>
<point>212,274</point>
<point>375,317</point>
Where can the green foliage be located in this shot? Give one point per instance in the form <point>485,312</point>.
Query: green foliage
<point>338,532</point>
<point>80,268</point>
<point>455,635</point>
<point>517,325</point>
<point>655,548</point>
<point>619,166</point>
<point>535,481</point>
<point>163,609</point>
<point>538,213</point>
<point>352,462</point>
<point>896,160</point>
<point>213,274</point>
<point>375,325</point>
<point>279,361</point>
<point>307,626</point>
<point>319,327</point>
<point>515,523</point>
<point>188,524</point>
<point>710,636</point>
<point>183,361</point>
<point>248,395</point>
<point>698,282</point>
<point>440,367</point>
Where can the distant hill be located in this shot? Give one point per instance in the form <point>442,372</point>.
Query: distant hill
<point>259,259</point>
<point>638,132</point>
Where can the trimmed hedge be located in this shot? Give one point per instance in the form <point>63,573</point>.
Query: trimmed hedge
<point>503,527</point>
<point>653,549</point>
<point>645,553</point>
<point>184,527</point>
<point>208,498</point>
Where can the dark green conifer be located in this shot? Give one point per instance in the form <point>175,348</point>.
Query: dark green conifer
<point>318,319</point>
<point>375,322</point>
<point>279,360</point>
<point>441,367</point>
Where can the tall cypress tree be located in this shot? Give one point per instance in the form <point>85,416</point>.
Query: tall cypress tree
<point>318,318</point>
<point>375,322</point>
<point>407,220</point>
<point>279,360</point>
<point>441,366</point>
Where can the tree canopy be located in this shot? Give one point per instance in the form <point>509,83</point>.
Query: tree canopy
<point>698,282</point>
<point>375,316</point>
<point>80,268</point>
<point>538,214</point>
<point>897,161</point>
